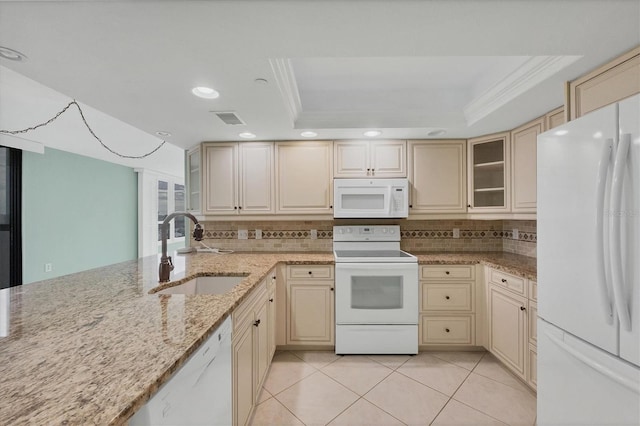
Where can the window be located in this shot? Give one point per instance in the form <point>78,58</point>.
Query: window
<point>10,214</point>
<point>171,198</point>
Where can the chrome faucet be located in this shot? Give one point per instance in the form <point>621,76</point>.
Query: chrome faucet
<point>166,265</point>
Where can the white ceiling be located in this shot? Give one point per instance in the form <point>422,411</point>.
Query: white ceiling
<point>337,67</point>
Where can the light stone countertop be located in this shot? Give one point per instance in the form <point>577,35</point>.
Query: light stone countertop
<point>92,347</point>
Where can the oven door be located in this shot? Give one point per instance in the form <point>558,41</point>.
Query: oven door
<point>376,293</point>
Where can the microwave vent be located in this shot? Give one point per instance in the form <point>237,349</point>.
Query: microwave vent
<point>230,118</point>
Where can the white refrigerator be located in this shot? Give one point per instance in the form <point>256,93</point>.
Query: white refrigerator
<point>589,269</point>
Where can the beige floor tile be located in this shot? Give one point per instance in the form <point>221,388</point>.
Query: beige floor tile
<point>490,367</point>
<point>364,413</point>
<point>358,373</point>
<point>263,395</point>
<point>458,414</point>
<point>317,399</point>
<point>434,372</point>
<point>317,359</point>
<point>286,370</point>
<point>407,400</point>
<point>498,400</point>
<point>272,412</point>
<point>390,361</point>
<point>466,360</point>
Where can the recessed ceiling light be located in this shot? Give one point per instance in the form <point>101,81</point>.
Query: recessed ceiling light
<point>372,133</point>
<point>205,92</point>
<point>247,135</point>
<point>437,132</point>
<point>597,135</point>
<point>561,132</point>
<point>308,134</point>
<point>12,55</point>
<point>163,134</point>
<point>262,81</point>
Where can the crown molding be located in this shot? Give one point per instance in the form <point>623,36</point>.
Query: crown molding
<point>286,80</point>
<point>531,73</point>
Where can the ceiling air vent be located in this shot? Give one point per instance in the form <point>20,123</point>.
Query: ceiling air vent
<point>229,118</point>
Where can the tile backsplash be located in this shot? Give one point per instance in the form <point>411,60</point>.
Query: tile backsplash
<point>417,235</point>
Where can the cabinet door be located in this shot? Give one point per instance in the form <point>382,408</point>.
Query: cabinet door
<point>257,184</point>
<point>351,159</point>
<point>437,173</point>
<point>261,342</point>
<point>271,320</point>
<point>310,314</point>
<point>304,177</point>
<point>523,166</point>
<point>388,159</point>
<point>193,179</point>
<point>243,385</point>
<point>507,328</point>
<point>221,178</point>
<point>489,174</point>
<point>554,118</point>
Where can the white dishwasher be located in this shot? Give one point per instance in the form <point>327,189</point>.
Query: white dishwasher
<point>199,393</point>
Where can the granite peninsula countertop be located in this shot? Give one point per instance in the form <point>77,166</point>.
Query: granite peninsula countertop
<point>92,347</point>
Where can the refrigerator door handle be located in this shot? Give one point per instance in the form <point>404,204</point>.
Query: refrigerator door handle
<point>619,168</point>
<point>632,385</point>
<point>602,261</point>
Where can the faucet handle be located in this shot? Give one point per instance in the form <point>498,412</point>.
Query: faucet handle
<point>198,232</point>
<point>170,263</point>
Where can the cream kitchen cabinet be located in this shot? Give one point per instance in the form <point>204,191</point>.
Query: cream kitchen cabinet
<point>524,145</point>
<point>610,83</point>
<point>310,305</point>
<point>239,178</point>
<point>251,355</point>
<point>554,118</point>
<point>193,174</point>
<point>447,305</point>
<point>438,176</point>
<point>489,174</point>
<point>507,328</point>
<point>304,177</point>
<point>380,158</point>
<point>272,312</point>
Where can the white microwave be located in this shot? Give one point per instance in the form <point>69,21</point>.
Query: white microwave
<point>370,198</point>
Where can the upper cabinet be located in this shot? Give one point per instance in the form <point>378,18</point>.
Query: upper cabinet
<point>380,159</point>
<point>489,174</point>
<point>438,178</point>
<point>554,118</point>
<point>523,166</point>
<point>239,178</point>
<point>304,177</point>
<point>193,179</point>
<point>610,83</point>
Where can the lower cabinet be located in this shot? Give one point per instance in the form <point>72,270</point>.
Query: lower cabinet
<point>447,305</point>
<point>507,328</point>
<point>310,305</point>
<point>252,348</point>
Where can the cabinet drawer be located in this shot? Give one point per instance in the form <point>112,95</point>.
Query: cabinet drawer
<point>533,290</point>
<point>447,272</point>
<point>453,330</point>
<point>508,281</point>
<point>310,271</point>
<point>447,297</point>
<point>244,312</point>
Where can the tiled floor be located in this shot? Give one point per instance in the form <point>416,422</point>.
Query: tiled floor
<point>432,388</point>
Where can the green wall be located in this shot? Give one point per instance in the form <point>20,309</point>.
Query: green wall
<point>78,213</point>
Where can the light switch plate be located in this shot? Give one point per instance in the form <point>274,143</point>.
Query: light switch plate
<point>516,234</point>
<point>243,234</point>
<point>314,234</point>
<point>456,232</point>
<point>258,234</point>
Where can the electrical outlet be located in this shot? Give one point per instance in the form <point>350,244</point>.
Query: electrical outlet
<point>258,234</point>
<point>48,267</point>
<point>243,234</point>
<point>516,234</point>
<point>314,234</point>
<point>456,232</point>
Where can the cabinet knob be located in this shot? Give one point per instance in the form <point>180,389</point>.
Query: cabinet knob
<point>256,323</point>
<point>447,330</point>
<point>447,297</point>
<point>310,273</point>
<point>330,207</point>
<point>331,288</point>
<point>447,272</point>
<point>235,207</point>
<point>410,206</point>
<point>503,280</point>
<point>271,300</point>
<point>239,207</point>
<point>522,308</point>
<point>373,171</point>
<point>273,277</point>
<point>469,205</point>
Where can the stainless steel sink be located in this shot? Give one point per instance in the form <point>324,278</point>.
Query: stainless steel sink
<point>205,285</point>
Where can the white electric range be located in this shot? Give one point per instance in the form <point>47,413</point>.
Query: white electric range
<point>376,291</point>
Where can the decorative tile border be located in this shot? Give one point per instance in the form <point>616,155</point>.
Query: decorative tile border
<point>269,235</point>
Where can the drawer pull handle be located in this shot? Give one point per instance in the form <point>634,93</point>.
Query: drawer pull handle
<point>447,272</point>
<point>447,330</point>
<point>522,308</point>
<point>271,300</point>
<point>447,297</point>
<point>503,280</point>
<point>256,323</point>
<point>331,289</point>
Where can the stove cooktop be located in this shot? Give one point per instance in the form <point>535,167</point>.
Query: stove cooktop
<point>363,256</point>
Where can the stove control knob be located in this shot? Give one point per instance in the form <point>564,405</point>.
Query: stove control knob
<point>340,231</point>
<point>348,230</point>
<point>384,230</point>
<point>392,231</point>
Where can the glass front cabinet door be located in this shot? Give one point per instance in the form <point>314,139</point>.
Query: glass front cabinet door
<point>489,174</point>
